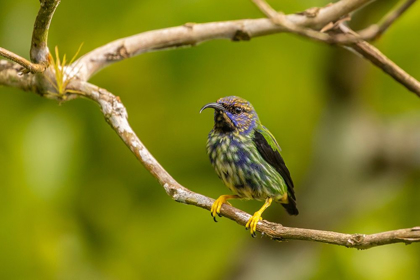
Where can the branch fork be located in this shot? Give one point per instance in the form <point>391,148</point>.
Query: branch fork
<point>307,24</point>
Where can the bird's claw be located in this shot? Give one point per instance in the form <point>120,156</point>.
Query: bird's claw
<point>217,205</point>
<point>213,210</point>
<point>252,224</point>
<point>214,217</point>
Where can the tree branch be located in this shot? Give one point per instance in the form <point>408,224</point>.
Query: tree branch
<point>280,19</point>
<point>193,34</point>
<point>377,30</point>
<point>29,66</point>
<point>357,43</point>
<point>39,53</point>
<point>380,60</point>
<point>11,75</point>
<point>116,115</point>
<point>39,46</point>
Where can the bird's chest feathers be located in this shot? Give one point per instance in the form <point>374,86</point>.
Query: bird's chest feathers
<point>227,148</point>
<point>228,155</point>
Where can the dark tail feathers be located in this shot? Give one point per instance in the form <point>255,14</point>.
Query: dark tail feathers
<point>291,207</point>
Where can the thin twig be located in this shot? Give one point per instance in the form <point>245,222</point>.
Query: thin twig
<point>116,115</point>
<point>281,20</point>
<point>380,60</point>
<point>354,40</point>
<point>29,66</point>
<point>375,31</point>
<point>370,33</point>
<point>392,16</point>
<point>39,46</point>
<point>265,8</point>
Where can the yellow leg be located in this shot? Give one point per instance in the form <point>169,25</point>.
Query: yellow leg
<point>253,221</point>
<point>217,205</point>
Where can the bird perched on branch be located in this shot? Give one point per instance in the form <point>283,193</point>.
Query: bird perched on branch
<point>247,158</point>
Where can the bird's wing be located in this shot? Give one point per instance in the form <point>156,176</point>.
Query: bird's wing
<point>269,149</point>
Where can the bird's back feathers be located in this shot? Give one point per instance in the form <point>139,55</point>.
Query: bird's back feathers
<point>270,151</point>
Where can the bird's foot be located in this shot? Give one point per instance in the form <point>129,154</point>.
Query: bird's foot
<point>252,223</point>
<point>217,205</point>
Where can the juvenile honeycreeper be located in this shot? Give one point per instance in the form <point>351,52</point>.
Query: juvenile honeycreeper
<point>247,158</point>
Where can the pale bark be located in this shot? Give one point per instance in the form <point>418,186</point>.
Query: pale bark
<point>311,21</point>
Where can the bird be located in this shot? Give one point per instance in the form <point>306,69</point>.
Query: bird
<point>246,157</point>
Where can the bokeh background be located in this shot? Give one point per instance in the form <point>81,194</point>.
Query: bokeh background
<point>76,204</point>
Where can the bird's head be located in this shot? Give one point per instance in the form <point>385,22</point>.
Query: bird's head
<point>233,114</point>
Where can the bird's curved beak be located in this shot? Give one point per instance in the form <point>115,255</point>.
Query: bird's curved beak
<point>214,105</point>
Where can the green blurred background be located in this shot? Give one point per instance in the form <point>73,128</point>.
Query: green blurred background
<point>76,204</point>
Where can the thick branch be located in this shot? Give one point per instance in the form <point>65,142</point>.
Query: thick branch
<point>116,115</point>
<point>39,47</point>
<point>11,75</point>
<point>193,34</point>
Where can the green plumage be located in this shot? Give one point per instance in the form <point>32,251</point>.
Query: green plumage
<point>246,155</point>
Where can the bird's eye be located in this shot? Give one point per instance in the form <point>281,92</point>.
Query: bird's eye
<point>238,110</point>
